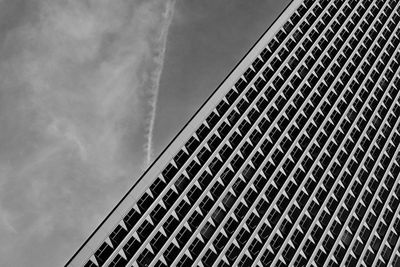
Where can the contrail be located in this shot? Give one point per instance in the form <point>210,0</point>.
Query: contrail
<point>156,80</point>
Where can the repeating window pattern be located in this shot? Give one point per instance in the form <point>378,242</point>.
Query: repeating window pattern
<point>297,164</point>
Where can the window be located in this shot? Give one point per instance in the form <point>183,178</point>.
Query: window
<point>241,211</point>
<point>244,127</point>
<point>220,242</point>
<point>313,35</point>
<point>260,83</point>
<point>131,218</point>
<point>283,53</point>
<point>195,220</point>
<point>215,165</point>
<point>171,253</point>
<point>253,115</point>
<point>194,194</point>
<point>257,64</point>
<point>181,183</point>
<point>170,224</point>
<point>207,231</point>
<point>209,258</point>
<point>214,141</point>
<point>145,202</point>
<point>299,53</point>
<point>182,209</point>
<point>288,26</point>
<point>131,247</point>
<point>145,229</point>
<point>217,190</point>
<point>249,74</point>
<point>117,261</point>
<point>273,44</point>
<point>222,107</point>
<point>232,253</point>
<point>212,119</point>
<point>193,168</point>
<point>265,54</point>
<point>293,61</point>
<point>275,63</point>
<point>157,186</point>
<point>118,235</point>
<point>202,131</point>
<point>170,198</point>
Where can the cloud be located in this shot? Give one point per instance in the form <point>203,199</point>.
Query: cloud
<point>156,76</point>
<point>77,83</point>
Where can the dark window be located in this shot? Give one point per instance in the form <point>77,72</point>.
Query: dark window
<point>195,220</point>
<point>225,152</point>
<point>218,215</point>
<point>224,129</point>
<point>131,247</point>
<point>202,131</point>
<point>131,218</point>
<point>157,213</point>
<point>205,179</point>
<point>240,85</point>
<point>157,187</point>
<point>273,44</point>
<point>212,119</point>
<point>206,204</point>
<point>260,83</point>
<point>196,247</point>
<point>209,258</point>
<point>241,211</point>
<point>228,200</point>
<point>170,224</point>
<point>243,237</point>
<point>194,194</point>
<point>222,107</point>
<point>231,96</point>
<point>144,202</point>
<point>193,168</point>
<point>182,209</point>
<point>214,141</point>
<point>203,155</point>
<point>238,186</point>
<point>249,74</point>
<point>244,127</point>
<point>158,241</point>
<point>257,64</point>
<point>118,235</point>
<point>232,253</point>
<point>169,172</point>
<point>220,242</point>
<point>171,253</point>
<point>145,229</point>
<point>276,63</point>
<point>145,258</point>
<point>217,190</point>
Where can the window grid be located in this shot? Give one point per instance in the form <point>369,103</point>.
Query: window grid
<point>262,153</point>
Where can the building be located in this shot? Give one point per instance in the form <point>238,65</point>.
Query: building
<point>293,161</point>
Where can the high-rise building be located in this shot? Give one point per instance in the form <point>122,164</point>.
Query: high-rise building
<point>293,161</point>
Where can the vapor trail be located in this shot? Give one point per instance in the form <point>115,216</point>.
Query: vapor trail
<point>168,15</point>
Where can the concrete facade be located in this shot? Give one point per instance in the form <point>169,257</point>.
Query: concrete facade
<point>293,161</point>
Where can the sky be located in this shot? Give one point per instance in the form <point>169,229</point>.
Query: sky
<point>206,40</point>
<point>90,92</point>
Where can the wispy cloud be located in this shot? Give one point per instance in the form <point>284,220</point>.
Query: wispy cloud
<point>77,84</point>
<point>156,82</point>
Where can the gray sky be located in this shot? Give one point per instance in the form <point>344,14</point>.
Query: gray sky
<point>77,83</point>
<point>206,40</point>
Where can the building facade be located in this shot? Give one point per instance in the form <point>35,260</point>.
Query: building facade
<point>293,161</point>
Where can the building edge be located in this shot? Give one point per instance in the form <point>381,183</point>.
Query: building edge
<point>102,231</point>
